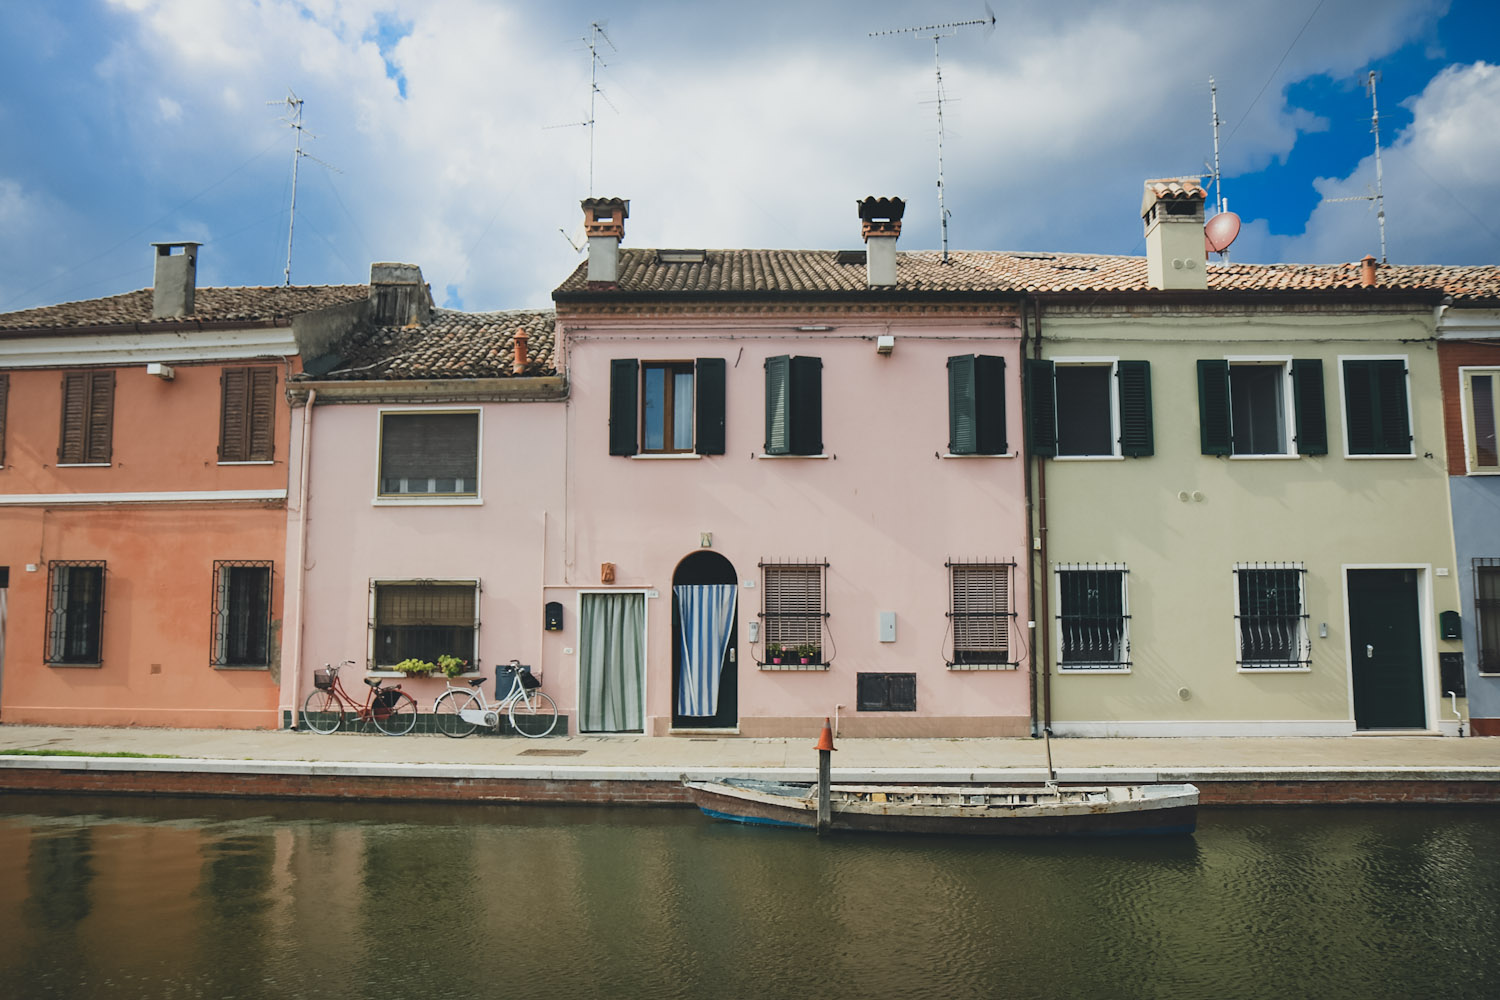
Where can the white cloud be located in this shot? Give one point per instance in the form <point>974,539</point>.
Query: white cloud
<point>168,109</point>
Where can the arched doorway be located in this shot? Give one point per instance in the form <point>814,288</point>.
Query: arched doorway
<point>705,681</point>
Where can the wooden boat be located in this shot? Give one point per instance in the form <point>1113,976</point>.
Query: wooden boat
<point>1021,811</point>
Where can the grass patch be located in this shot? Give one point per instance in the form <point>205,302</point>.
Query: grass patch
<point>79,753</point>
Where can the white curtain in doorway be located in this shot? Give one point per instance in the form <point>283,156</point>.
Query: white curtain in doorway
<point>612,640</point>
<point>705,615</point>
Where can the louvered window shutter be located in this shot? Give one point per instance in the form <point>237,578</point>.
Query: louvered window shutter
<point>262,414</point>
<point>1359,407</point>
<point>87,418</point>
<point>422,446</point>
<point>4,395</point>
<point>1041,409</point>
<point>1312,420</point>
<point>1395,425</point>
<point>1213,407</point>
<point>806,406</point>
<point>1137,435</point>
<point>778,405</point>
<point>976,405</point>
<point>624,417</point>
<point>963,433</point>
<point>709,429</point>
<point>101,417</point>
<point>233,383</point>
<point>74,431</point>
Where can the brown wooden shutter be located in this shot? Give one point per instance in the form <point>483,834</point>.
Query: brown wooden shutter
<point>262,414</point>
<point>74,423</point>
<point>4,394</point>
<point>101,417</point>
<point>233,446</point>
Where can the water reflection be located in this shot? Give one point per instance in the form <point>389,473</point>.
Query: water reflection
<point>155,897</point>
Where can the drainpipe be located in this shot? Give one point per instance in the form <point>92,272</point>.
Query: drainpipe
<point>1044,623</point>
<point>297,577</point>
<point>1031,589</point>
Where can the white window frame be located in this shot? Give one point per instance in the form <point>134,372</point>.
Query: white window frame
<point>1113,364</point>
<point>373,668</point>
<point>1303,639</point>
<point>1288,405</point>
<point>1411,425</point>
<point>1082,668</point>
<point>1465,373</point>
<point>468,498</point>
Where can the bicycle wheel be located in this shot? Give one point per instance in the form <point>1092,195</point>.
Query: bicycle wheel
<point>322,713</point>
<point>445,713</point>
<point>535,717</point>
<point>398,717</point>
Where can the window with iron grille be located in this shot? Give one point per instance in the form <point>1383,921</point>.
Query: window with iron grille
<point>75,612</point>
<point>434,454</point>
<point>241,613</point>
<point>794,607</point>
<point>1487,613</point>
<point>425,619</point>
<point>1270,617</point>
<point>885,692</point>
<point>980,613</point>
<point>1093,618</point>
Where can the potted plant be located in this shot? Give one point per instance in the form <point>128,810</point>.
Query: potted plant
<point>808,652</point>
<point>414,667</point>
<point>774,651</point>
<point>452,666</point>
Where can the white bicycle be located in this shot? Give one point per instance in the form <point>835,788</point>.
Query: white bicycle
<point>461,710</point>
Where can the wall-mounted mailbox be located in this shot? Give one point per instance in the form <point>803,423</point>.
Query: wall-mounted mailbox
<point>554,616</point>
<point>1451,625</point>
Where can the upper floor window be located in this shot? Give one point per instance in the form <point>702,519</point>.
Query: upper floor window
<point>88,418</point>
<point>1377,420</point>
<point>794,405</point>
<point>1089,408</point>
<point>1262,406</point>
<point>242,614</point>
<point>1093,618</point>
<point>429,453</point>
<point>1487,614</point>
<point>793,610</point>
<point>1480,395</point>
<point>980,613</point>
<point>75,612</point>
<point>976,405</point>
<point>424,619</point>
<point>1271,617</point>
<point>666,407</point>
<point>247,414</point>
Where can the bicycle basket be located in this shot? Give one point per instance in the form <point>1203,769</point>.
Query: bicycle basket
<point>323,680</point>
<point>385,702</point>
<point>528,680</point>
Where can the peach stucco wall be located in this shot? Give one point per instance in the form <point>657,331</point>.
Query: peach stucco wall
<point>156,635</point>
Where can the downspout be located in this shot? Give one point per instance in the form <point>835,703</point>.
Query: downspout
<point>297,577</point>
<point>1031,586</point>
<point>1044,624</point>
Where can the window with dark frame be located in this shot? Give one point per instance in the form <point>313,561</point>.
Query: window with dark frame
<point>793,609</point>
<point>1085,410</point>
<point>432,454</point>
<point>88,416</point>
<point>1257,409</point>
<point>1480,419</point>
<point>242,613</point>
<point>1376,417</point>
<point>425,619</point>
<point>1270,618</point>
<point>885,692</point>
<point>1487,614</point>
<point>980,613</point>
<point>976,405</point>
<point>75,612</point>
<point>1244,407</point>
<point>247,414</point>
<point>1093,618</point>
<point>1089,409</point>
<point>794,405</point>
<point>666,407</point>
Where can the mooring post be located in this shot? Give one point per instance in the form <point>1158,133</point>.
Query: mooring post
<point>825,779</point>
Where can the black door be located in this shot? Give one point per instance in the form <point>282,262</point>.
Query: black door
<point>698,569</point>
<point>1385,640</point>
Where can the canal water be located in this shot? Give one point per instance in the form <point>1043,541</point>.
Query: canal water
<point>161,898</point>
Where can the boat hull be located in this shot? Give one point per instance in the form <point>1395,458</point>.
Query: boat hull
<point>960,810</point>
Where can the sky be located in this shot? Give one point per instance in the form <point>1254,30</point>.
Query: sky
<point>452,134</point>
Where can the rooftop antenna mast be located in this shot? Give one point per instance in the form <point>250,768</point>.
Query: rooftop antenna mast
<point>596,32</point>
<point>938,32</point>
<point>293,119</point>
<point>1378,195</point>
<point>1213,97</point>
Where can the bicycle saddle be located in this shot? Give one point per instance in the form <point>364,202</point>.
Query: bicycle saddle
<point>474,682</point>
<point>374,682</point>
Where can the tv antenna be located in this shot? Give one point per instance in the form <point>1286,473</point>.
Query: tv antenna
<point>596,32</point>
<point>939,31</point>
<point>1378,195</point>
<point>293,119</point>
<point>1220,230</point>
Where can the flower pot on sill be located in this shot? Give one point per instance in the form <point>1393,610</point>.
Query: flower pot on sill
<point>776,660</point>
<point>805,661</point>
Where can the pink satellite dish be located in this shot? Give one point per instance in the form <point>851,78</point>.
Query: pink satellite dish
<point>1221,231</point>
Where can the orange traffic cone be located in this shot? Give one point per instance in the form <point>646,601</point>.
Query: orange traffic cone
<point>825,739</point>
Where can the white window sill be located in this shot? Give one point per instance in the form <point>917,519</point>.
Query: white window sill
<point>83,465</point>
<point>240,666</point>
<point>1262,458</point>
<point>674,457</point>
<point>949,454</point>
<point>434,500</point>
<point>762,455</point>
<point>1360,458</point>
<point>76,666</point>
<point>1471,472</point>
<point>1088,458</point>
<point>1248,669</point>
<point>257,462</point>
<point>794,666</point>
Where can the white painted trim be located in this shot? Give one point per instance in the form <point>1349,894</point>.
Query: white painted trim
<point>1288,403</point>
<point>166,496</point>
<point>1113,364</point>
<point>672,457</point>
<point>1208,728</point>
<point>1411,425</point>
<point>467,498</point>
<point>645,593</point>
<point>1466,414</point>
<point>1058,569</point>
<point>429,500</point>
<point>82,465</point>
<point>1304,618</point>
<point>949,454</point>
<point>142,347</point>
<point>249,463</point>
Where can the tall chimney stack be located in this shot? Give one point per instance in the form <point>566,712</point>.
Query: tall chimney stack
<point>1367,272</point>
<point>880,225</point>
<point>1176,254</point>
<point>518,367</point>
<point>398,295</point>
<point>176,280</point>
<point>604,225</point>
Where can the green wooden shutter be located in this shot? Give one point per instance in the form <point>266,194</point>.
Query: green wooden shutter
<point>1213,407</point>
<point>1312,420</point>
<point>1395,423</point>
<point>1041,408</point>
<point>1137,436</point>
<point>778,404</point>
<point>708,435</point>
<point>624,418</point>
<point>963,433</point>
<point>806,398</point>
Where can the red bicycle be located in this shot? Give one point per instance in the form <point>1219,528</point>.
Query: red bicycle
<point>393,711</point>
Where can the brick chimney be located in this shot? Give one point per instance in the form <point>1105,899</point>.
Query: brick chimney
<point>398,295</point>
<point>880,225</point>
<point>176,280</point>
<point>1176,255</point>
<point>1367,272</point>
<point>604,225</point>
<point>518,366</point>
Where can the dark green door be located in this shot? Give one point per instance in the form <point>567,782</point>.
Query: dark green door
<point>1385,640</point>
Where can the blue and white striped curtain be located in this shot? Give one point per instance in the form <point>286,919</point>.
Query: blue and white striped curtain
<point>706,614</point>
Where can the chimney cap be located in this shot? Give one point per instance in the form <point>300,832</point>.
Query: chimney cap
<point>610,203</point>
<point>872,209</point>
<point>169,244</point>
<point>1172,189</point>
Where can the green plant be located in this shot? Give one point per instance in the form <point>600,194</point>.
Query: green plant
<point>452,666</point>
<point>416,667</point>
<point>809,651</point>
<point>774,650</point>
